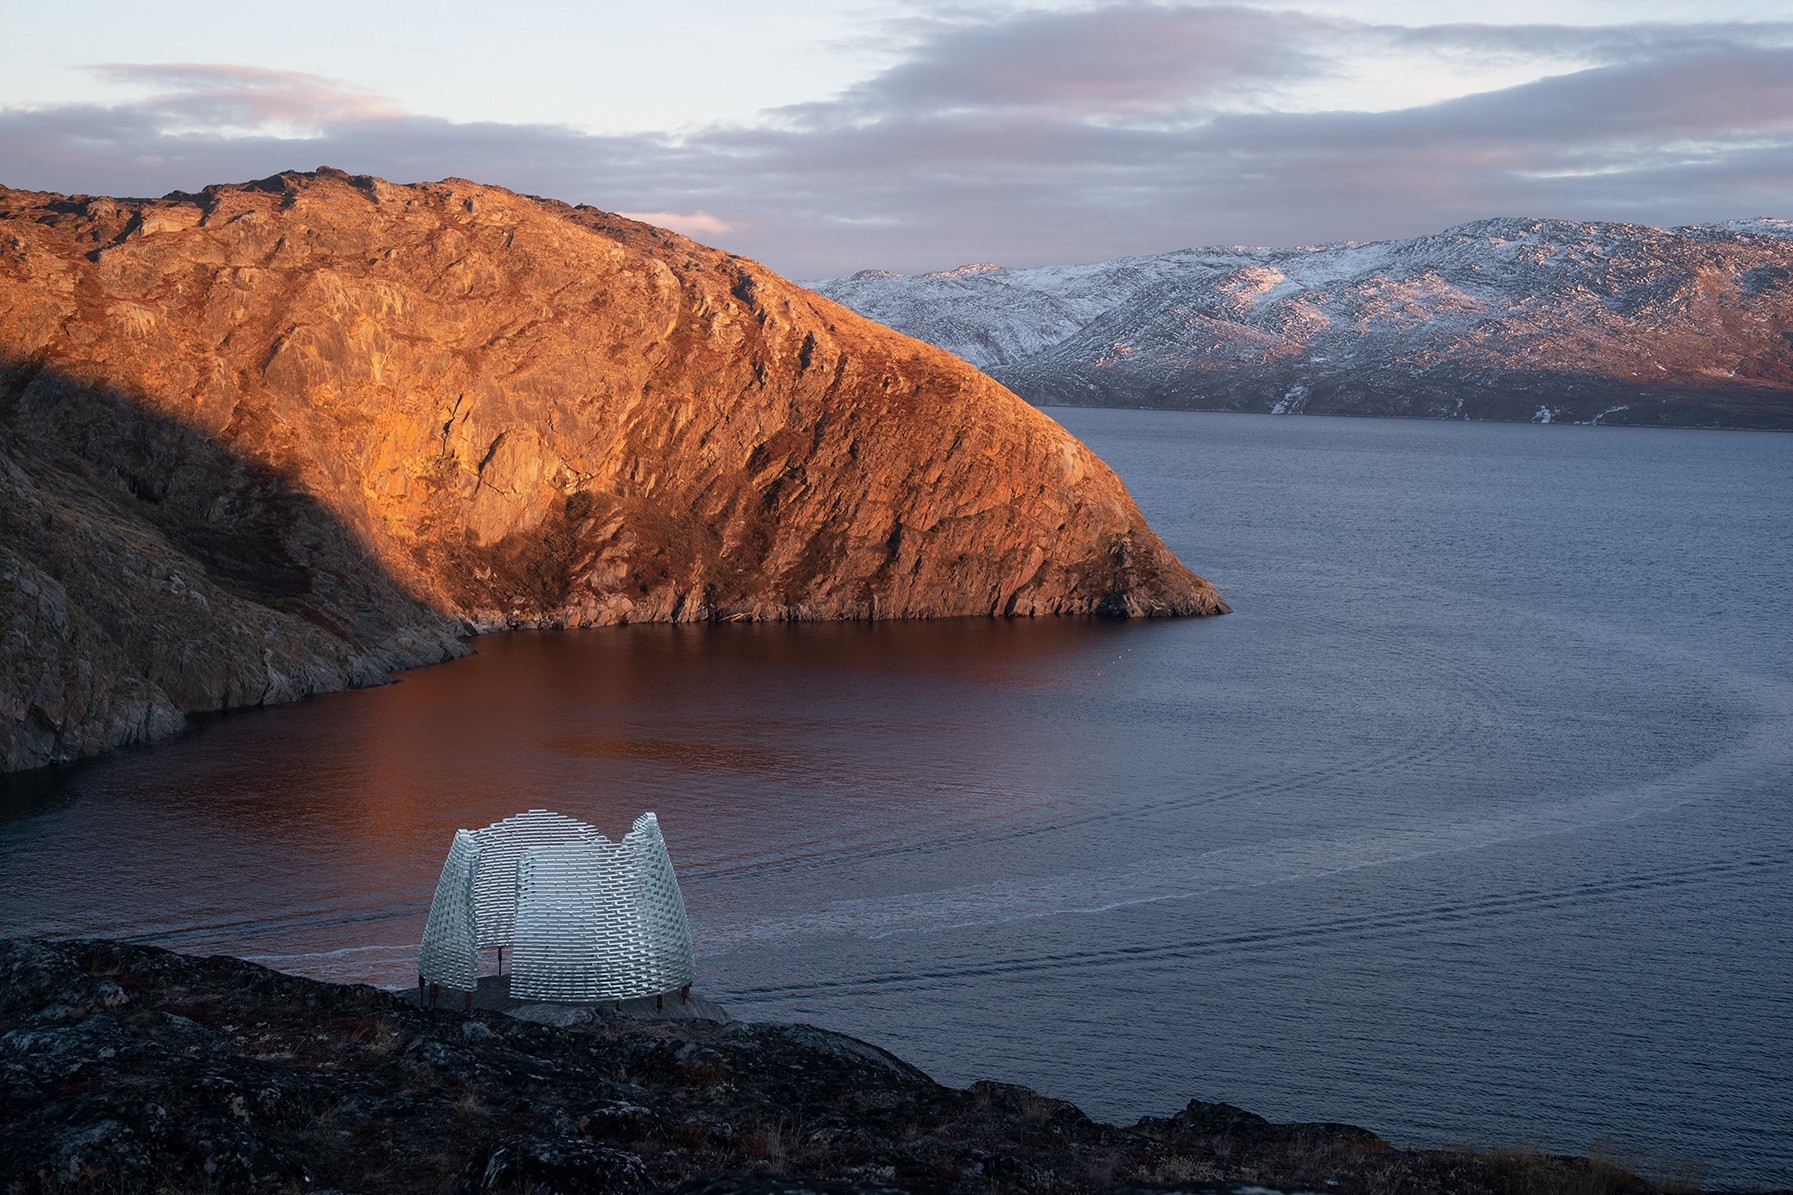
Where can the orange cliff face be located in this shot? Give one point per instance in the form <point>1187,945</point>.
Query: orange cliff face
<point>282,437</point>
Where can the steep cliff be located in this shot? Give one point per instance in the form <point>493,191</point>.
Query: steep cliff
<point>283,437</point>
<point>1515,319</point>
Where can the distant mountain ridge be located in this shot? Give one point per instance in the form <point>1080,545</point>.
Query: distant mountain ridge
<point>1509,319</point>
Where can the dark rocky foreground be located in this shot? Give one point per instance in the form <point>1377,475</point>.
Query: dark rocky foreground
<point>126,1068</point>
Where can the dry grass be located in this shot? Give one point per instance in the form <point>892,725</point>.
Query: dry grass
<point>1179,1170</point>
<point>767,1145</point>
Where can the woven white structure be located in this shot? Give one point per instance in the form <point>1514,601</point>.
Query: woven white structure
<point>585,918</point>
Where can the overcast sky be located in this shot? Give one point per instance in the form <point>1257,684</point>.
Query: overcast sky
<point>823,138</point>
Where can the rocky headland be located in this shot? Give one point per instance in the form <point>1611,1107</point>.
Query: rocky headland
<point>131,1069</point>
<point>285,437</point>
<point>1548,321</point>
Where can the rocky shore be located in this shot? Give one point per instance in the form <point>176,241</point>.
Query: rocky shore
<point>127,1068</point>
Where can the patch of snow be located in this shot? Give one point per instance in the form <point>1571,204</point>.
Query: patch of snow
<point>1773,226</point>
<point>966,271</point>
<point>1291,401</point>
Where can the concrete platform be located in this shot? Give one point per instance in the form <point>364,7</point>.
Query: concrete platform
<point>494,995</point>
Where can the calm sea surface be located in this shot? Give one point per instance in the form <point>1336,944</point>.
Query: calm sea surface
<point>1474,824</point>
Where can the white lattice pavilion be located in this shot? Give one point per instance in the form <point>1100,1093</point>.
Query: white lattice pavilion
<point>585,918</point>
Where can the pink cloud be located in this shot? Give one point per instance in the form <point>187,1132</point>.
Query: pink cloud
<point>696,225</point>
<point>209,94</point>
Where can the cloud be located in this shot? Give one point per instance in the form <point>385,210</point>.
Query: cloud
<point>1590,44</point>
<point>1039,137</point>
<point>222,97</point>
<point>1125,58</point>
<point>693,224</point>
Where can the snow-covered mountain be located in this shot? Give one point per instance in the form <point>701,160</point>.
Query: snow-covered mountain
<point>1519,319</point>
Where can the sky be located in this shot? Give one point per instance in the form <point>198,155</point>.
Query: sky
<point>823,138</point>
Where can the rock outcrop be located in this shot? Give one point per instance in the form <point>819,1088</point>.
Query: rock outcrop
<point>1511,319</point>
<point>132,1069</point>
<point>281,438</point>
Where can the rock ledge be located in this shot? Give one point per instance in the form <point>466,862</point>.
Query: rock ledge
<point>130,1069</point>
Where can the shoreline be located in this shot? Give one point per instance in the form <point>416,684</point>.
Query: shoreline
<point>466,643</point>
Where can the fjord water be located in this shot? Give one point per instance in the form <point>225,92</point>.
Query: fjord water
<point>1473,824</point>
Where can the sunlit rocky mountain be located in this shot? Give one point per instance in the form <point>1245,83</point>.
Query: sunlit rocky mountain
<point>283,437</point>
<point>1507,319</point>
